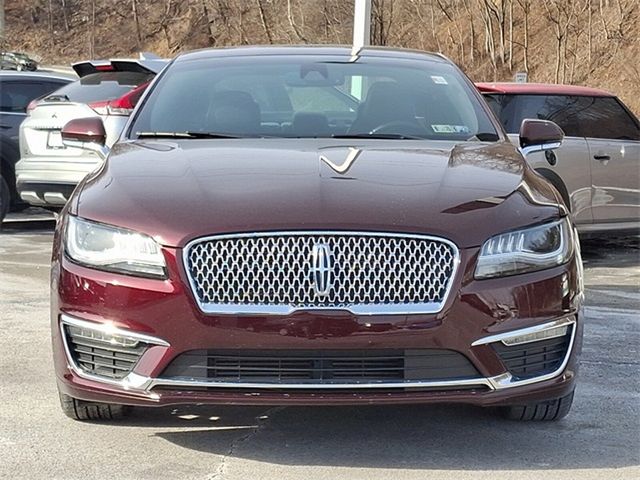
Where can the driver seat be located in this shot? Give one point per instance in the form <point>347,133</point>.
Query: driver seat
<point>386,102</point>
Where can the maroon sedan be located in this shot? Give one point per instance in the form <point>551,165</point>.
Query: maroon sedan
<point>314,226</point>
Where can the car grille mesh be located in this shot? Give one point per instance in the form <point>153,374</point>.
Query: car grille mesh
<point>320,366</point>
<point>96,355</point>
<point>366,269</point>
<point>535,358</point>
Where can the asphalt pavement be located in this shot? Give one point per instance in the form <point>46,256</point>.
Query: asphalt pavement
<point>600,439</point>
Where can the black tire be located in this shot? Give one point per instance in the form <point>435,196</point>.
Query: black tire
<point>548,411</point>
<point>81,410</point>
<point>5,199</point>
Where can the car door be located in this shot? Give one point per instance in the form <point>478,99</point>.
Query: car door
<point>613,136</point>
<point>570,163</point>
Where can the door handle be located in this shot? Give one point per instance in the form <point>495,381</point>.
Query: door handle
<point>602,158</point>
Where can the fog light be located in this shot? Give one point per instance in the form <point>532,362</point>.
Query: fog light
<point>102,336</point>
<point>537,336</point>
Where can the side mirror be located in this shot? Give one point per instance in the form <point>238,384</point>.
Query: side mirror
<point>86,133</point>
<point>539,136</point>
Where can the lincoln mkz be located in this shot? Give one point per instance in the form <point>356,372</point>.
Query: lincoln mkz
<point>315,226</point>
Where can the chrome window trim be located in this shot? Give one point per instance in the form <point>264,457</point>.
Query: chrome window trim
<point>370,309</point>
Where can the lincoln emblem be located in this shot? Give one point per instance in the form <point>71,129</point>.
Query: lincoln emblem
<point>322,269</point>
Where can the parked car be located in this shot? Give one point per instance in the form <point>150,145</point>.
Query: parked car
<point>17,61</point>
<point>17,90</point>
<point>48,171</point>
<point>597,168</point>
<point>399,252</point>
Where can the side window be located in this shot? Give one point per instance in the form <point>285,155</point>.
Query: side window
<point>561,109</point>
<point>15,96</point>
<point>504,108</point>
<point>604,117</point>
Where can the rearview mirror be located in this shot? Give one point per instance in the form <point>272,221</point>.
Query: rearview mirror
<point>86,133</point>
<point>539,136</point>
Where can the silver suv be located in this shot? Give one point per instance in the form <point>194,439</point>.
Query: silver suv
<point>597,168</point>
<point>48,171</point>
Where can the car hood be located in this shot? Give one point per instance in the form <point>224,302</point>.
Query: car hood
<point>177,191</point>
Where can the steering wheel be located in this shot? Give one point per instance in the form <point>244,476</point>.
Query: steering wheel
<point>414,128</point>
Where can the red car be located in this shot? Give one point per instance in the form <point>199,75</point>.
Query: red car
<point>302,226</point>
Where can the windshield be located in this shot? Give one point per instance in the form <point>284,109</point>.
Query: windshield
<point>310,96</point>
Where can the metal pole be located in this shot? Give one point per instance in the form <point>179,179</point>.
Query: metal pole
<point>361,38</point>
<point>361,24</point>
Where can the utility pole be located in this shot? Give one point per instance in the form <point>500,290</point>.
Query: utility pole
<point>361,38</point>
<point>361,25</point>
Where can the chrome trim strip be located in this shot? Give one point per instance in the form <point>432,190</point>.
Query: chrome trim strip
<point>400,309</point>
<point>369,309</point>
<point>109,329</point>
<point>322,386</point>
<point>524,331</point>
<point>539,148</point>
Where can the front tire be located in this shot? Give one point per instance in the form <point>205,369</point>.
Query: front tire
<point>81,410</point>
<point>549,411</point>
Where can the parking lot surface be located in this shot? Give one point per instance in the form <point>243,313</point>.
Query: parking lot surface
<point>600,439</point>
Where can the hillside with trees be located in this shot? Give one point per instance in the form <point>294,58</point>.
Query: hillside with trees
<point>585,42</point>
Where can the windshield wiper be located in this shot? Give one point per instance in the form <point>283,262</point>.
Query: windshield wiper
<point>382,136</point>
<point>184,135</point>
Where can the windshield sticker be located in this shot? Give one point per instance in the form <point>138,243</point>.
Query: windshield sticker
<point>450,128</point>
<point>439,80</point>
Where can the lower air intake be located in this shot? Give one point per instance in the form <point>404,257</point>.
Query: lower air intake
<point>320,366</point>
<point>102,355</point>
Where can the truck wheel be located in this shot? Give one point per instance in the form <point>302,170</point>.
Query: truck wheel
<point>550,410</point>
<point>81,410</point>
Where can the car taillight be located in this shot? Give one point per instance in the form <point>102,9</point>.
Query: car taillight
<point>122,106</point>
<point>100,107</point>
<point>32,104</point>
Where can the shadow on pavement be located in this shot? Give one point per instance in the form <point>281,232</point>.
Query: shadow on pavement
<point>409,437</point>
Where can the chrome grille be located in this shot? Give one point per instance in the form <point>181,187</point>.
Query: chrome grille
<point>366,273</point>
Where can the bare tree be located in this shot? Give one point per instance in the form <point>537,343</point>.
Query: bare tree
<point>293,24</point>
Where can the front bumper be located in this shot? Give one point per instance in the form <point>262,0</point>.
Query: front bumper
<point>165,315</point>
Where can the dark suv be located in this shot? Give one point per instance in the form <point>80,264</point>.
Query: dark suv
<point>597,168</point>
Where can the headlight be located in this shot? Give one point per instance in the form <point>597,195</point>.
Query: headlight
<point>535,248</point>
<point>109,248</point>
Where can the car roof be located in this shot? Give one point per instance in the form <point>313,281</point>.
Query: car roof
<point>332,50</point>
<point>38,74</point>
<point>541,89</point>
